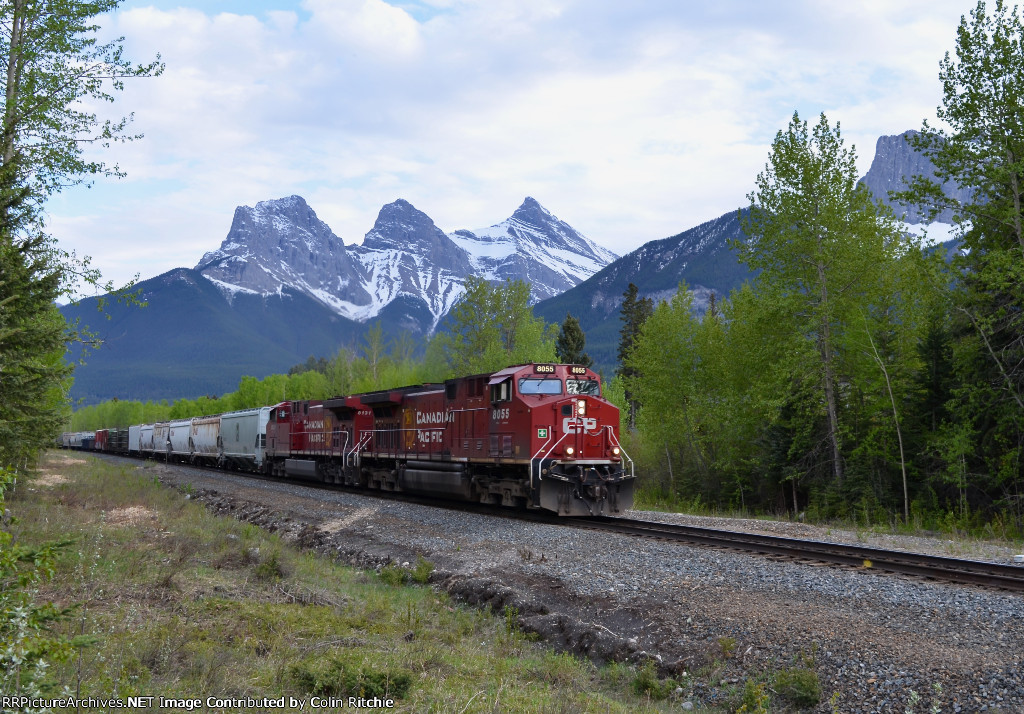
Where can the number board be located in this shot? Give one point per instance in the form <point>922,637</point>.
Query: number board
<point>577,370</point>
<point>544,368</point>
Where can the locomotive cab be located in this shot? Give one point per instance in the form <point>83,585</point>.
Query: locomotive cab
<point>555,416</point>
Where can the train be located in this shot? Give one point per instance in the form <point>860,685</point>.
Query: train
<point>534,436</point>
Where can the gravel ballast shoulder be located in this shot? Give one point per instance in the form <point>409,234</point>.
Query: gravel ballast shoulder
<point>878,643</point>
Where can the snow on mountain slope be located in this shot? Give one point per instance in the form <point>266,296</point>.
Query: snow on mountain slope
<point>406,254</point>
<point>282,243</point>
<point>533,245</point>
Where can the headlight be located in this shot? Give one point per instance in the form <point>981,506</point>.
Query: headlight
<point>569,451</point>
<point>615,450</point>
<point>581,407</point>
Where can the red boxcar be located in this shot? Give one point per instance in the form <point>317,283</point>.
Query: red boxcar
<point>537,435</point>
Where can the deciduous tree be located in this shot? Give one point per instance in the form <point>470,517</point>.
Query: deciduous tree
<point>52,70</point>
<point>492,327</point>
<point>819,242</point>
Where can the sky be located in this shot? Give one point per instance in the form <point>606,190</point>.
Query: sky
<point>631,121</point>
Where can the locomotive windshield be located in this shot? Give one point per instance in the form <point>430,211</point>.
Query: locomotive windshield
<point>540,385</point>
<point>583,386</point>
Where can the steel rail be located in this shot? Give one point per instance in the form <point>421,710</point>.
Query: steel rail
<point>957,570</point>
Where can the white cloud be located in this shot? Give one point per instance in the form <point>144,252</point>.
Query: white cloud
<point>385,30</point>
<point>632,121</point>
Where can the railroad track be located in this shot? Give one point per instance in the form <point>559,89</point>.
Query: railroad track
<point>955,570</point>
<point>875,560</point>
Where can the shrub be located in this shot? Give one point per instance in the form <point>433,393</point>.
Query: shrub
<point>393,575</point>
<point>646,683</point>
<point>755,699</point>
<point>799,685</point>
<point>339,676</point>
<point>421,573</point>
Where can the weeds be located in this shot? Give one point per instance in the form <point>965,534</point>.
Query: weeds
<point>511,620</point>
<point>646,683</point>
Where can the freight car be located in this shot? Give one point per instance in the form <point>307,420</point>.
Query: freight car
<point>536,436</point>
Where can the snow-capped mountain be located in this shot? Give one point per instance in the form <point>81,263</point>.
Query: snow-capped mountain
<point>535,246</point>
<point>404,260</point>
<point>406,254</point>
<point>280,244</point>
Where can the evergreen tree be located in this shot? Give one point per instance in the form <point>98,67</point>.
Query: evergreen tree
<point>570,343</point>
<point>635,311</point>
<point>34,377</point>
<point>983,106</point>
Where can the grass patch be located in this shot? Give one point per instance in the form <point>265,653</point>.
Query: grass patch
<point>186,604</point>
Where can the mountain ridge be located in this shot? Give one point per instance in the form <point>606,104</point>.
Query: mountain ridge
<point>281,242</point>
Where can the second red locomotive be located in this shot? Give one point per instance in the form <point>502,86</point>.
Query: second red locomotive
<point>537,435</point>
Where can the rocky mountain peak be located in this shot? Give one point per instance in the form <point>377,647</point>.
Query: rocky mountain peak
<point>400,226</point>
<point>405,260</point>
<point>535,246</point>
<point>282,242</point>
<point>530,211</point>
<point>894,164</point>
<point>399,223</point>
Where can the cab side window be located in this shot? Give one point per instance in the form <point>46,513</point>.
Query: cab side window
<point>501,392</point>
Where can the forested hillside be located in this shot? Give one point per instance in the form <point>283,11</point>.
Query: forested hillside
<point>859,374</point>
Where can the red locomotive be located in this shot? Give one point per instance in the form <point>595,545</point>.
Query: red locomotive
<point>537,435</point>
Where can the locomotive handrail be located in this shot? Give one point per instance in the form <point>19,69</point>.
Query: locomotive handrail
<point>565,434</point>
<point>616,442</point>
<point>344,447</point>
<point>364,438</point>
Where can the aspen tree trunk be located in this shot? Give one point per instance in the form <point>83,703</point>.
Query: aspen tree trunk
<point>15,65</point>
<point>825,347</point>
